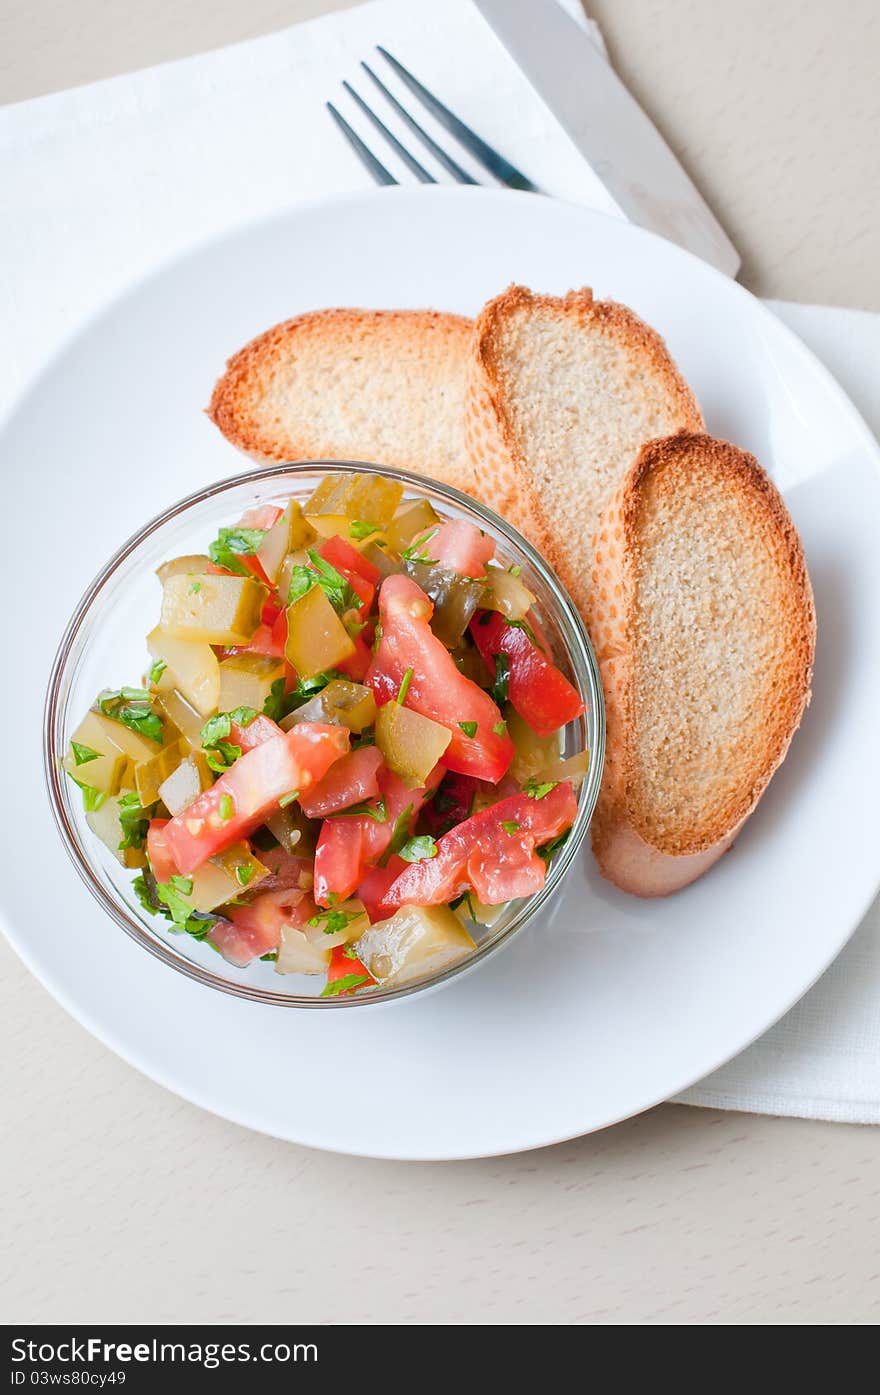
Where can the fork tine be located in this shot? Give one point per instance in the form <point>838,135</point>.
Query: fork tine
<point>424,176</point>
<point>488,158</point>
<point>436,150</point>
<point>375,167</point>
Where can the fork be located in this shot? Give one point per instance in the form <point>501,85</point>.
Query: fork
<point>482,152</point>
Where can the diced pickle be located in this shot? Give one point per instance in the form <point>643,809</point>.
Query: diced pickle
<point>532,754</point>
<point>192,565</point>
<point>369,497</point>
<point>246,680</point>
<point>573,768</point>
<point>316,637</point>
<point>296,833</point>
<point>384,559</point>
<point>341,703</point>
<point>104,823</point>
<point>175,708</point>
<point>225,877</point>
<point>192,668</point>
<point>100,763</point>
<point>410,522</point>
<point>507,593</point>
<point>192,775</point>
<point>349,917</point>
<point>116,735</point>
<point>149,775</point>
<point>410,743</point>
<point>417,940</point>
<point>213,609</point>
<point>470,662</point>
<point>455,598</point>
<point>330,525</point>
<point>297,955</point>
<point>290,533</point>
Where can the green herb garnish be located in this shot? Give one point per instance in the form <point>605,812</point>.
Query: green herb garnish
<point>195,587</point>
<point>234,543</point>
<point>269,958</point>
<point>334,921</point>
<point>538,789</point>
<point>83,754</point>
<point>413,553</point>
<point>404,687</point>
<point>500,728</point>
<point>134,821</point>
<point>274,705</point>
<point>547,850</point>
<point>244,873</point>
<point>524,626</point>
<point>501,685</point>
<point>343,985</point>
<point>469,728</point>
<point>288,799</point>
<point>399,835</point>
<point>157,670</point>
<point>339,592</point>
<point>133,707</point>
<point>418,849</point>
<point>360,529</point>
<point>226,808</point>
<point>515,570</point>
<point>510,826</point>
<point>375,811</point>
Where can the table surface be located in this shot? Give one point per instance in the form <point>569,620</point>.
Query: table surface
<point>121,1203</point>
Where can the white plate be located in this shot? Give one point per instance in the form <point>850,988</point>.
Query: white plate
<point>612,1004</point>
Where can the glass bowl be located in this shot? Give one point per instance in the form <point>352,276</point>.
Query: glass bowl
<point>104,646</point>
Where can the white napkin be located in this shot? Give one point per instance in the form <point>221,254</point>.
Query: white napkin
<point>106,182</point>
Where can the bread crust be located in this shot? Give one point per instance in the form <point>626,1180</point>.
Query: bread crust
<point>237,402</point>
<point>490,439</point>
<point>625,838</point>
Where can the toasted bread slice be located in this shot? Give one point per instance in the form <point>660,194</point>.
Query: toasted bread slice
<point>377,385</point>
<point>562,395</point>
<point>702,618</point>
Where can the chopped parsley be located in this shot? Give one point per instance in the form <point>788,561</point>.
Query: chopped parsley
<point>339,591</point>
<point>510,826</point>
<point>399,834</point>
<point>515,570</point>
<point>157,670</point>
<point>375,811</point>
<point>244,873</point>
<point>413,553</point>
<point>269,958</point>
<point>525,627</point>
<point>134,821</point>
<point>92,798</point>
<point>469,728</point>
<point>548,850</point>
<point>226,808</point>
<point>404,687</point>
<point>83,754</point>
<point>346,984</point>
<point>500,728</point>
<point>536,789</point>
<point>133,707</point>
<point>464,900</point>
<point>171,901</point>
<point>288,799</point>
<point>231,544</point>
<point>220,753</point>
<point>360,529</point>
<point>275,705</point>
<point>418,849</point>
<point>195,587</point>
<point>501,685</point>
<point>334,921</point>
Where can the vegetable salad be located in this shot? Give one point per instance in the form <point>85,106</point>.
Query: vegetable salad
<point>345,755</point>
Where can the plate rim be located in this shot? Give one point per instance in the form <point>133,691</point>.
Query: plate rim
<point>109,1036</point>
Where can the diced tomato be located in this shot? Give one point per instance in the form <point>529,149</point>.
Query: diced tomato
<point>397,798</point>
<point>374,887</point>
<point>286,870</point>
<point>497,862</point>
<point>271,609</point>
<point>253,785</point>
<point>263,516</point>
<point>347,560</point>
<point>338,859</point>
<point>461,547</point>
<point>348,781</point>
<point>162,864</point>
<point>437,689</point>
<point>454,801</point>
<point>342,964</point>
<point>259,730</point>
<point>541,695</point>
<point>255,929</point>
<point>355,667</point>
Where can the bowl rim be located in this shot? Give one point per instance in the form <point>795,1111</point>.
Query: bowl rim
<point>579,651</point>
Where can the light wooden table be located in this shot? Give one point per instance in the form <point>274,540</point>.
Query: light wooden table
<point>121,1203</point>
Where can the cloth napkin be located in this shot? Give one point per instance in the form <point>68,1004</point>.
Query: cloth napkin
<point>111,180</point>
